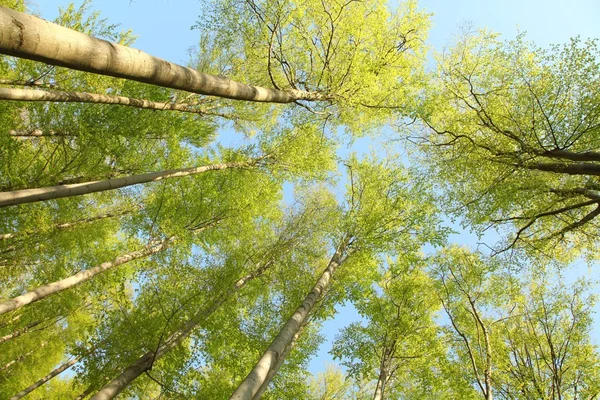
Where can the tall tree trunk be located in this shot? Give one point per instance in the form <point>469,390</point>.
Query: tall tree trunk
<point>260,373</point>
<point>66,225</point>
<point>57,192</point>
<point>82,276</point>
<point>22,356</point>
<point>34,133</point>
<point>30,37</point>
<point>384,373</point>
<point>487,372</point>
<point>19,332</point>
<point>145,362</point>
<point>278,365</point>
<point>45,379</point>
<point>78,97</point>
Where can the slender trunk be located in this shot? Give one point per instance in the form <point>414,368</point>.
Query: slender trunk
<point>66,225</point>
<point>381,380</point>
<point>78,97</point>
<point>19,332</point>
<point>35,133</point>
<point>22,356</point>
<point>30,37</point>
<point>84,394</point>
<point>145,362</point>
<point>278,365</point>
<point>82,276</point>
<point>487,373</point>
<point>57,192</point>
<point>13,319</point>
<point>45,379</point>
<point>35,83</point>
<point>260,373</point>
<point>378,395</point>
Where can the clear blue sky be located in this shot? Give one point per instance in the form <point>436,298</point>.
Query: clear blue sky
<point>163,30</point>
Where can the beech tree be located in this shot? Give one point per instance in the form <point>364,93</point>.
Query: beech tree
<point>521,123</point>
<point>397,345</point>
<point>398,220</point>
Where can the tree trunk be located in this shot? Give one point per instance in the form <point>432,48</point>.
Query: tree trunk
<point>19,332</point>
<point>22,356</point>
<point>35,133</point>
<point>45,379</point>
<point>278,365</point>
<point>57,192</point>
<point>384,375</point>
<point>78,97</point>
<point>65,225</point>
<point>82,276</point>
<point>30,37</point>
<point>260,373</point>
<point>145,362</point>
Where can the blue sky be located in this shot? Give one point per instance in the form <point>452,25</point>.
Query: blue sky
<point>163,30</point>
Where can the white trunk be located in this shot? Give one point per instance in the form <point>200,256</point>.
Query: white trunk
<point>19,332</point>
<point>64,225</point>
<point>78,97</point>
<point>45,379</point>
<point>22,356</point>
<point>278,365</point>
<point>77,189</point>
<point>259,375</point>
<point>82,276</point>
<point>27,36</point>
<point>144,363</point>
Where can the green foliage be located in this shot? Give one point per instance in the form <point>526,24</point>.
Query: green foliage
<point>356,55</point>
<point>511,135</point>
<point>506,124</point>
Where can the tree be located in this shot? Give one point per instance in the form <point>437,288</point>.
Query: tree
<point>396,347</point>
<point>356,55</point>
<point>521,123</point>
<point>372,223</point>
<point>548,351</point>
<point>31,37</point>
<point>472,291</point>
<point>76,189</point>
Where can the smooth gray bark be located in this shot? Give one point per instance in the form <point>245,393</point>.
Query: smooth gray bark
<point>277,366</point>
<point>76,189</point>
<point>145,362</point>
<point>26,36</point>
<point>65,225</point>
<point>80,277</point>
<point>260,373</point>
<point>15,94</point>
<point>45,379</point>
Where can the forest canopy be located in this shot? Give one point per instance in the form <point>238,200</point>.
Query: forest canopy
<point>144,255</point>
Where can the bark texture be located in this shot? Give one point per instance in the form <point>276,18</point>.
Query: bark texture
<point>76,189</point>
<point>278,365</point>
<point>65,225</point>
<point>260,374</point>
<point>15,94</point>
<point>80,277</point>
<point>26,36</point>
<point>45,379</point>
